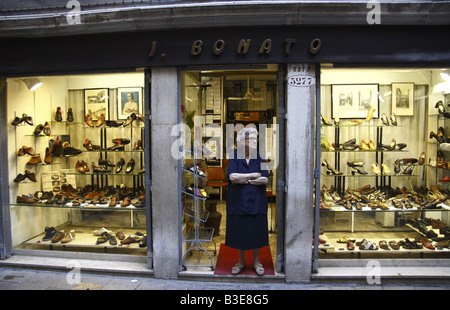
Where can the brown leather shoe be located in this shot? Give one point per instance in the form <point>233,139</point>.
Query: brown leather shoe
<point>126,202</point>
<point>79,167</point>
<point>35,160</point>
<point>20,177</point>
<point>30,175</point>
<point>130,240</point>
<point>114,202</point>
<point>68,236</point>
<point>100,121</point>
<point>88,119</point>
<point>120,235</point>
<point>58,237</point>
<point>90,195</point>
<point>48,156</point>
<point>24,199</point>
<point>137,145</point>
<point>47,130</point>
<point>21,152</point>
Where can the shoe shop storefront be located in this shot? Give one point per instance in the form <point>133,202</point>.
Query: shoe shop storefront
<point>129,154</point>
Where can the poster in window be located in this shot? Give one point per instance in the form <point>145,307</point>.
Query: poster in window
<point>354,100</point>
<point>129,101</point>
<point>403,99</point>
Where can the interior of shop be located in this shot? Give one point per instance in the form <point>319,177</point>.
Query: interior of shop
<point>76,148</point>
<point>215,105</point>
<point>384,180</point>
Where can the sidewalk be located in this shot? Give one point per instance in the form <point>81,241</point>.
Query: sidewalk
<point>29,279</point>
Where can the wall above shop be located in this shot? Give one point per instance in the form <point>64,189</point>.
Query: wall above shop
<point>32,18</point>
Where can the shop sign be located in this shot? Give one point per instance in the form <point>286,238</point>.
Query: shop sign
<point>265,47</point>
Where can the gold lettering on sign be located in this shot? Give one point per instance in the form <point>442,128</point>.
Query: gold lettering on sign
<point>243,46</point>
<point>266,47</point>
<point>152,52</point>
<point>218,47</point>
<point>289,43</point>
<point>196,48</point>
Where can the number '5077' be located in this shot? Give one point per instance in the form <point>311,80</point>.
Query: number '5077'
<point>301,81</point>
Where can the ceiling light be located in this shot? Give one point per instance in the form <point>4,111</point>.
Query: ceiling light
<point>32,83</point>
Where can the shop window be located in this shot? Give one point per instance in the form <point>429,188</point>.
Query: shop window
<point>76,152</point>
<point>215,105</point>
<point>384,175</point>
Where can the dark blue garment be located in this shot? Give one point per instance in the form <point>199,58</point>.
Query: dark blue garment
<point>244,198</point>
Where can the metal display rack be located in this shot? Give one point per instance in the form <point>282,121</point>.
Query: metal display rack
<point>199,234</point>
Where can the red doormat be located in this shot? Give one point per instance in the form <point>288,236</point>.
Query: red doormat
<point>228,257</point>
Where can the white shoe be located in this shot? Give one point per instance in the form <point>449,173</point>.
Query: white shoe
<point>99,232</point>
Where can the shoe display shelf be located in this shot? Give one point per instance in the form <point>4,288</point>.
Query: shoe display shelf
<point>194,208</point>
<point>383,182</point>
<point>98,179</point>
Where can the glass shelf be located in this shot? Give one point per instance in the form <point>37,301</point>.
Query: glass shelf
<point>83,207</point>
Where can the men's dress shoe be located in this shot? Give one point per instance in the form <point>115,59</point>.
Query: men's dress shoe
<point>89,146</point>
<point>30,175</point>
<point>113,123</point>
<point>58,236</point>
<point>114,201</point>
<point>349,142</point>
<point>38,129</point>
<point>120,235</point>
<point>126,202</point>
<point>100,169</point>
<point>85,166</point>
<point>393,120</point>
<point>79,167</point>
<point>58,115</point>
<point>17,121</point>
<point>119,165</point>
<point>21,152</point>
<point>130,166</point>
<point>100,121</point>
<point>47,130</point>
<point>70,115</point>
<point>27,119</point>
<point>50,232</point>
<point>370,113</point>
<point>24,199</point>
<point>57,148</point>
<point>105,162</point>
<point>35,160</point>
<point>88,120</point>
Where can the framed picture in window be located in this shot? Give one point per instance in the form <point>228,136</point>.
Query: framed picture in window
<point>96,102</point>
<point>403,99</point>
<point>129,100</point>
<point>354,100</point>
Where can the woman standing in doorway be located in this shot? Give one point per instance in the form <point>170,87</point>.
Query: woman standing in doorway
<point>247,227</point>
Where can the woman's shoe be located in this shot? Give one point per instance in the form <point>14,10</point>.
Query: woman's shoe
<point>89,146</point>
<point>17,121</point>
<point>105,162</point>
<point>70,115</point>
<point>27,119</point>
<point>393,120</point>
<point>130,166</point>
<point>376,169</point>
<point>58,116</point>
<point>370,113</point>
<point>130,119</point>
<point>384,119</point>
<point>325,121</point>
<point>421,160</point>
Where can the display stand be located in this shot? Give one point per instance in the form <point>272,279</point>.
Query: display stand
<point>198,234</point>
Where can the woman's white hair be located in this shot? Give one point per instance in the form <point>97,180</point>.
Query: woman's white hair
<point>245,132</point>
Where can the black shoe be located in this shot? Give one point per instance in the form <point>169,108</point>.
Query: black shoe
<point>50,232</point>
<point>27,119</point>
<point>70,115</point>
<point>71,151</point>
<point>17,121</point>
<point>105,162</point>
<point>38,129</point>
<point>114,123</point>
<point>130,166</point>
<point>120,164</point>
<point>130,119</point>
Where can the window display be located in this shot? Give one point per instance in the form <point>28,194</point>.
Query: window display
<point>77,170</point>
<point>383,187</point>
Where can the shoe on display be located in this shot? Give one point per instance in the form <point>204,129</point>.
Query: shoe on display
<point>35,160</point>
<point>17,121</point>
<point>401,146</point>
<point>88,145</point>
<point>114,201</point>
<point>364,146</point>
<point>440,106</point>
<point>79,167</point>
<point>421,159</point>
<point>68,236</point>
<point>70,115</point>
<point>370,113</point>
<point>100,120</point>
<point>19,178</point>
<point>130,166</point>
<point>30,175</point>
<point>50,232</point>
<point>47,130</point>
<point>27,119</point>
<point>130,119</point>
<point>393,120</point>
<point>100,231</point>
<point>113,123</point>
<point>105,162</point>
<point>325,121</point>
<point>58,115</point>
<point>372,146</point>
<point>137,145</point>
<point>445,146</point>
<point>384,119</point>
<point>120,235</point>
<point>376,169</point>
<point>88,120</point>
<point>126,202</point>
<point>38,129</point>
<point>119,165</point>
<point>386,170</point>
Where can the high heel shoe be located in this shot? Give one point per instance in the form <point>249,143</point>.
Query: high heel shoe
<point>393,120</point>
<point>330,169</point>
